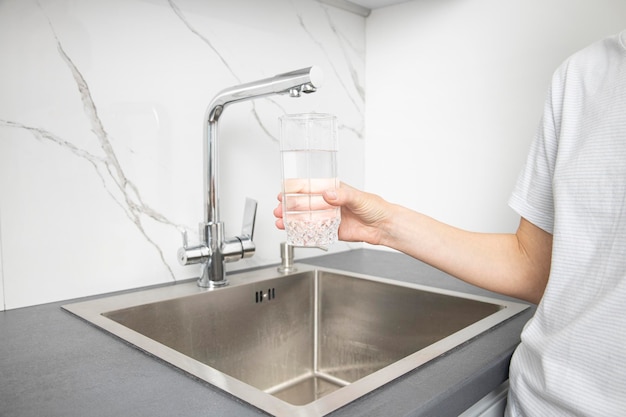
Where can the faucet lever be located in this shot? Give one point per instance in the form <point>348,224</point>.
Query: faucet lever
<point>249,218</point>
<point>242,246</point>
<point>247,229</point>
<point>192,255</point>
<point>184,235</point>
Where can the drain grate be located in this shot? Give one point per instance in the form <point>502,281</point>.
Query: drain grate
<point>260,296</point>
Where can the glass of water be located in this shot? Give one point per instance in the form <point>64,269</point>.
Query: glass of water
<point>308,145</point>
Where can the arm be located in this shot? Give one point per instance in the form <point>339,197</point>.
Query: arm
<point>513,264</point>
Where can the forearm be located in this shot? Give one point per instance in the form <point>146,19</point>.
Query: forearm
<point>497,262</point>
<point>513,264</point>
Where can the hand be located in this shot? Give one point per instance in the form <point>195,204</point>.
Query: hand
<point>362,214</point>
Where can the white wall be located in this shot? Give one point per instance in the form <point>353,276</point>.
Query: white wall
<point>455,90</point>
<point>101,111</point>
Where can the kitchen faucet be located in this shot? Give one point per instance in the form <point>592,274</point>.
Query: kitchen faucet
<point>214,250</point>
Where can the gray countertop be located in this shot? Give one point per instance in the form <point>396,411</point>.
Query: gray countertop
<point>54,364</point>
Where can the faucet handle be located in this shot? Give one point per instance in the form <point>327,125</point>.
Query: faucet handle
<point>249,218</point>
<point>184,235</point>
<point>247,229</point>
<point>242,246</point>
<point>192,255</point>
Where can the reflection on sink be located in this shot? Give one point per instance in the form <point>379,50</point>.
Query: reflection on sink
<point>301,344</point>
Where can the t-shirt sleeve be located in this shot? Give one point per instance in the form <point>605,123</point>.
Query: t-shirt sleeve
<point>532,197</point>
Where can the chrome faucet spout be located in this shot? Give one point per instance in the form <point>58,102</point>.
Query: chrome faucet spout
<point>305,80</point>
<point>214,249</point>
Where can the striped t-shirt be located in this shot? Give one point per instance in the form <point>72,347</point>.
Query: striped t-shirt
<point>572,359</point>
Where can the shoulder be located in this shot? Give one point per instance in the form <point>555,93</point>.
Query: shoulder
<point>595,59</point>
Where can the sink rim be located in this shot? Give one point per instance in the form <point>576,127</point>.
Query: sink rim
<point>92,311</point>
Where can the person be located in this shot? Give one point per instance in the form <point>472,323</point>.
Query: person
<point>568,254</point>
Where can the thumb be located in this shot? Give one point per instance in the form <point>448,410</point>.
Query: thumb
<point>338,196</point>
<point>331,197</point>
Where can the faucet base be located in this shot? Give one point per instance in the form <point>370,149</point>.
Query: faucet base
<point>205,283</point>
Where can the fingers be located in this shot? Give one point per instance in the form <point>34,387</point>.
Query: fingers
<point>305,195</point>
<point>333,197</point>
<point>278,213</point>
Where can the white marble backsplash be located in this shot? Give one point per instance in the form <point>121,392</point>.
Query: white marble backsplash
<point>101,111</point>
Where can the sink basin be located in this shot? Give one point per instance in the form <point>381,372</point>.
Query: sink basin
<point>298,344</point>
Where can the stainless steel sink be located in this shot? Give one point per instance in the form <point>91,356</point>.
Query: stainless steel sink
<point>302,344</point>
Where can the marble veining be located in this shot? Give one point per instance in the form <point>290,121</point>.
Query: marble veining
<point>139,167</point>
<point>122,190</point>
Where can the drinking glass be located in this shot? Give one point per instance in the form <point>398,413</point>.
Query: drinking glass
<point>308,144</point>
